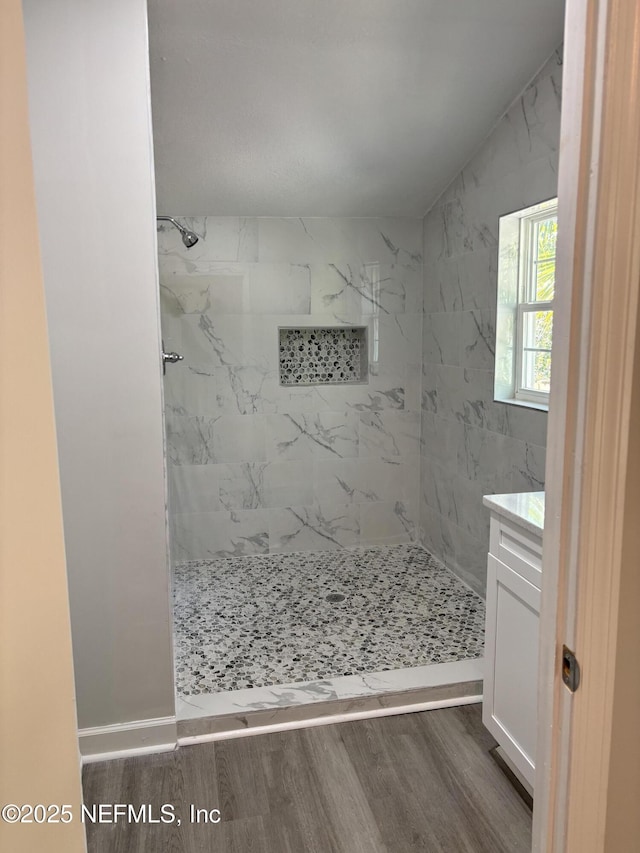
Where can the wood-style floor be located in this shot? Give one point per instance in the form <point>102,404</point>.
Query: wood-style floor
<point>417,782</point>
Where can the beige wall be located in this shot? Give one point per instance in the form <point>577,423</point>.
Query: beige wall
<point>38,746</point>
<point>88,70</point>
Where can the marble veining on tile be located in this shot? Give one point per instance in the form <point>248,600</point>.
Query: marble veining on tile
<point>341,694</point>
<point>472,445</point>
<point>288,465</point>
<point>266,619</point>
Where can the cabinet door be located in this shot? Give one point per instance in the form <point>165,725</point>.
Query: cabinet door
<point>511,661</point>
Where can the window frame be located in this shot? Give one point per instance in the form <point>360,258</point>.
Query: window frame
<point>527,304</point>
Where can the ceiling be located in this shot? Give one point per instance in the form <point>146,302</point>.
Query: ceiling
<point>332,107</point>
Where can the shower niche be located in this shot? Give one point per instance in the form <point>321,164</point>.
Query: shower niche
<point>323,355</point>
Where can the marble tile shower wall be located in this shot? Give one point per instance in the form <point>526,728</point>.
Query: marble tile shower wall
<point>472,445</point>
<point>257,467</point>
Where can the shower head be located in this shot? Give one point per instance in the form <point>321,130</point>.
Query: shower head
<point>188,237</point>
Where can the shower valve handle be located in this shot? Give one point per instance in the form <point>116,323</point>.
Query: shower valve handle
<point>171,357</point>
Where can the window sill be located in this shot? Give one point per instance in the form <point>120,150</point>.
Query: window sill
<point>540,407</point>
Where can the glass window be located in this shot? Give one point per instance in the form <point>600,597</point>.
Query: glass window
<point>526,290</point>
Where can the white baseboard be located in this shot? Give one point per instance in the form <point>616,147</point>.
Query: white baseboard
<point>124,740</point>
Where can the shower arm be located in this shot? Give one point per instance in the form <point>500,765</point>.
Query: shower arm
<point>171,220</point>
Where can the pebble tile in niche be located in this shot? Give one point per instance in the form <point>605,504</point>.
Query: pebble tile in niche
<point>265,620</point>
<point>323,356</point>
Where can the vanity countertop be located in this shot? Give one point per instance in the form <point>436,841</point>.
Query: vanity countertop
<point>524,508</point>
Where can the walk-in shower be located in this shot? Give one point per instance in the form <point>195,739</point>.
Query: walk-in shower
<point>293,445</point>
<point>188,237</point>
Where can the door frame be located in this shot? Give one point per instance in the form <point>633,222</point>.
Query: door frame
<point>592,491</point>
<point>590,495</point>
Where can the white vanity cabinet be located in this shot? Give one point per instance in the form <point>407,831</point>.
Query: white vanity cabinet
<point>514,572</point>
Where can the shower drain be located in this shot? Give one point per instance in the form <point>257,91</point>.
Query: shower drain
<point>334,597</point>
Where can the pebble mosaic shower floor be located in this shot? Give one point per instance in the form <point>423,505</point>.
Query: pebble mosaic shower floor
<point>266,620</point>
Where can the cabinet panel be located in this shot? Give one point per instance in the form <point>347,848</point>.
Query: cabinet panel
<point>517,548</point>
<point>510,691</point>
